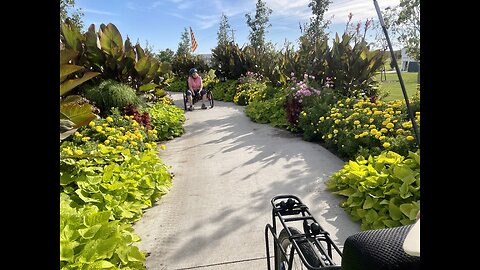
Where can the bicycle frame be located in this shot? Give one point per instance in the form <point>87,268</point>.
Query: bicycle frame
<point>285,211</point>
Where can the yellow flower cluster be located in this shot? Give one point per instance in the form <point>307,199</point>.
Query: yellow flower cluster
<point>382,121</point>
<point>131,135</point>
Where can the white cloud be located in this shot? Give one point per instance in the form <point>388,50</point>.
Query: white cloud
<point>360,9</point>
<point>289,8</point>
<point>180,16</point>
<point>157,3</point>
<point>207,21</point>
<point>99,12</point>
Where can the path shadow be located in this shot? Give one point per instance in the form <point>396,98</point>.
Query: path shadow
<point>309,165</point>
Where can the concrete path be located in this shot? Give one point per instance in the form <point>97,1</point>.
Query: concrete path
<point>227,168</point>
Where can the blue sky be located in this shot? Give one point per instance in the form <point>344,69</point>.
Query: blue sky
<point>161,22</point>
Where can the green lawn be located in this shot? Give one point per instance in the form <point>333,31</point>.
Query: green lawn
<point>393,87</point>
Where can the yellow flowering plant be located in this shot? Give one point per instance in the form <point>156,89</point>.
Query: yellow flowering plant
<point>362,127</point>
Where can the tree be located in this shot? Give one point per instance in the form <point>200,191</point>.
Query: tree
<point>315,29</point>
<point>409,19</point>
<point>184,44</point>
<point>259,24</point>
<point>77,15</point>
<point>165,55</point>
<point>148,49</point>
<point>403,23</point>
<point>222,34</point>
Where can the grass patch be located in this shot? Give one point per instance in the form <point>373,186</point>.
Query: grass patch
<point>393,87</point>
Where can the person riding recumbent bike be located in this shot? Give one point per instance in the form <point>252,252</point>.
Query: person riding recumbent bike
<point>193,94</point>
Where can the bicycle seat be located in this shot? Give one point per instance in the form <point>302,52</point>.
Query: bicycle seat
<point>379,249</point>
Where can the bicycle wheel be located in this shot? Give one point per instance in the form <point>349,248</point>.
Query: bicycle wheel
<point>307,250</point>
<point>210,98</point>
<point>184,101</point>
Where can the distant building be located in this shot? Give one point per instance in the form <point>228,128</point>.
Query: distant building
<point>207,57</point>
<point>408,64</point>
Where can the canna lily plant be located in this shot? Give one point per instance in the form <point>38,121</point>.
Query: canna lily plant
<point>75,111</point>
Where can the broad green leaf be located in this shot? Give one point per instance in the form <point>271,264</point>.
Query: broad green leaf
<point>108,173</point>
<point>87,255</point>
<point>394,211</point>
<point>113,186</point>
<point>404,173</point>
<point>91,37</point>
<point>363,55</point>
<point>66,55</point>
<point>69,233</point>
<point>409,210</point>
<point>371,216</point>
<point>66,125</point>
<point>69,84</point>
<point>96,218</point>
<point>378,224</point>
<point>67,69</point>
<point>72,36</point>
<point>111,40</point>
<point>85,196</point>
<point>415,156</point>
<point>101,265</point>
<point>140,52</point>
<point>93,179</point>
<point>134,254</point>
<point>80,114</point>
<point>406,221</point>
<point>142,66</point>
<point>405,191</point>
<point>89,232</point>
<point>152,71</point>
<point>66,251</point>
<point>369,202</point>
<point>105,248</point>
<point>108,230</point>
<point>361,212</point>
<point>122,252</point>
<point>147,87</point>
<point>391,223</point>
<point>66,178</point>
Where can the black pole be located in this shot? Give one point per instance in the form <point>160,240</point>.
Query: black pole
<point>412,117</point>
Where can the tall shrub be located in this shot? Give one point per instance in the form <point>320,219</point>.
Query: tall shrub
<point>353,69</point>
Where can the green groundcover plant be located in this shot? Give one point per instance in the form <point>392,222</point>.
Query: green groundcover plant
<point>382,191</point>
<point>110,171</point>
<point>90,239</point>
<point>167,120</point>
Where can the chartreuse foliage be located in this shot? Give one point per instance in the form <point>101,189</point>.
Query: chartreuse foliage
<point>224,91</point>
<point>167,120</point>
<point>382,191</point>
<point>269,110</point>
<point>250,87</point>
<point>110,172</point>
<point>90,239</point>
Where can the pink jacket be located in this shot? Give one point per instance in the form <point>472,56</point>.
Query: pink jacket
<point>193,83</point>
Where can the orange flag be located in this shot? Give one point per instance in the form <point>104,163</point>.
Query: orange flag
<point>194,42</point>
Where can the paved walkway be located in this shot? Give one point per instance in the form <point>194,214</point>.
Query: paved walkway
<point>227,168</point>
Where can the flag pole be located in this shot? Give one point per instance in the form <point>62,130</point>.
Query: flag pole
<point>399,74</point>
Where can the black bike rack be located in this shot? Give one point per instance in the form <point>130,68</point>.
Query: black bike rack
<point>289,208</point>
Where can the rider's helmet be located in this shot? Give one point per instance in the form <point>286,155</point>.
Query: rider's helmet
<point>191,71</point>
